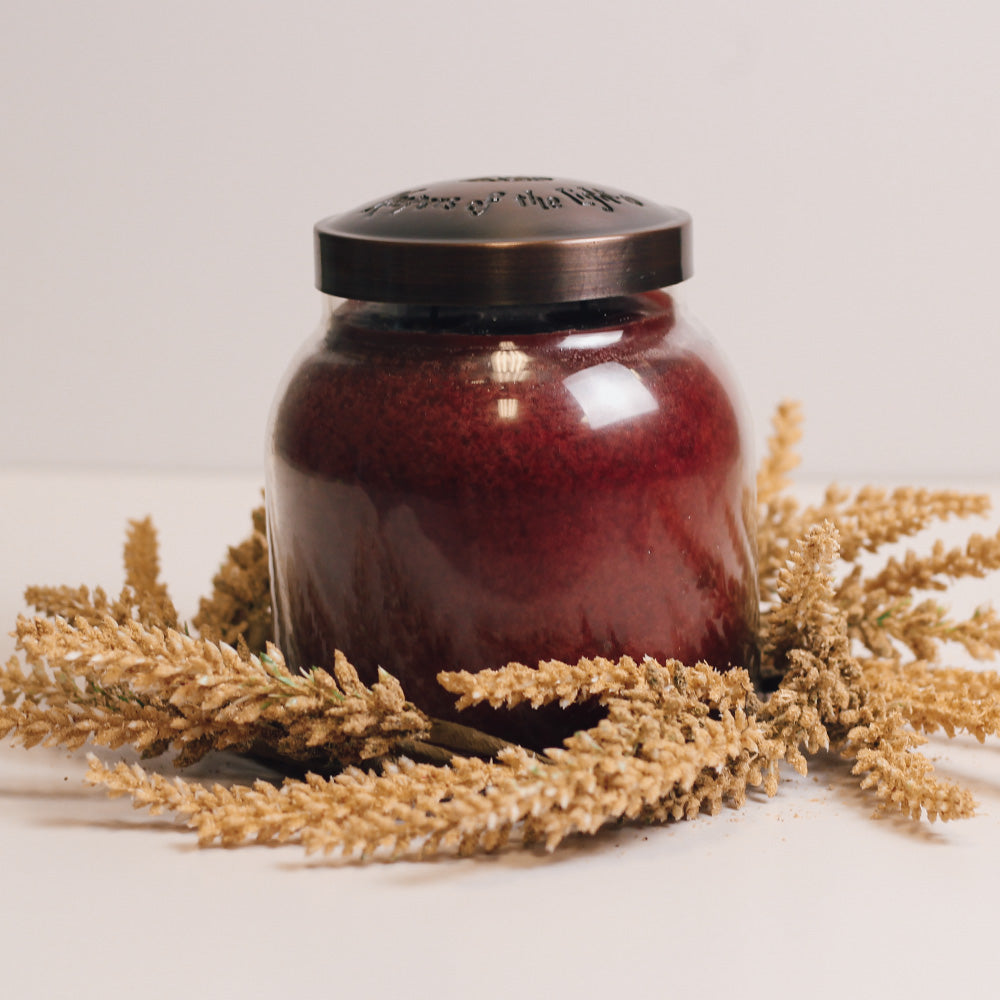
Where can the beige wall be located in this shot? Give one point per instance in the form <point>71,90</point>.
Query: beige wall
<point>162,165</point>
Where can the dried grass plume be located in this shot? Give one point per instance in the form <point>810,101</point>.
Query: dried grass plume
<point>851,662</point>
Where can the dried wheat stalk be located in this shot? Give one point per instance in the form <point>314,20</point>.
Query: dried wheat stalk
<point>852,655</point>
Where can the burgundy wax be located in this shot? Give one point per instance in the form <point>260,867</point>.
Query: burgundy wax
<point>457,489</point>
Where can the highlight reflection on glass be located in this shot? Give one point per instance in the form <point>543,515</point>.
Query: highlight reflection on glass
<point>507,363</point>
<point>507,409</point>
<point>609,394</point>
<point>592,340</point>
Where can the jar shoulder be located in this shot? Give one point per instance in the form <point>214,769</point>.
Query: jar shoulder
<point>651,390</point>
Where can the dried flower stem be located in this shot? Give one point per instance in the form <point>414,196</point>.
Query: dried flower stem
<point>677,740</point>
<point>240,603</point>
<point>635,761</point>
<point>207,696</point>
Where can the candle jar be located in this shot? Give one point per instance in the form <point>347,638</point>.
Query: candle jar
<point>507,442</point>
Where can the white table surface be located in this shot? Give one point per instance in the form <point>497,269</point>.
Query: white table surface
<point>801,895</point>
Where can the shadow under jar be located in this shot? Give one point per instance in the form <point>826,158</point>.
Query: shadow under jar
<point>458,478</point>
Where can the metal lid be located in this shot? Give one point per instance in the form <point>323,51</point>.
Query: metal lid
<point>502,241</point>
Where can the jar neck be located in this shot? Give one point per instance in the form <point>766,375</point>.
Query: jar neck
<point>509,320</point>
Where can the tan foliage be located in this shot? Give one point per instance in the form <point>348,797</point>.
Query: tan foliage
<point>239,606</point>
<point>659,748</point>
<point>850,656</point>
<point>194,695</point>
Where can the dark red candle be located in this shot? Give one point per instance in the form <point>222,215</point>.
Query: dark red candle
<point>455,485</point>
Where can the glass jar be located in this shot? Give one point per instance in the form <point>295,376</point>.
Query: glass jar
<point>508,444</point>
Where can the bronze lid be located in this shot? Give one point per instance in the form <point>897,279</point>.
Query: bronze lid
<point>502,241</point>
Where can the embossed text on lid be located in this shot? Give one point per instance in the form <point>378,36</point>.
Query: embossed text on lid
<point>500,241</point>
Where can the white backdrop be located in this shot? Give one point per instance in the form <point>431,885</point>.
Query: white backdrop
<point>162,165</point>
